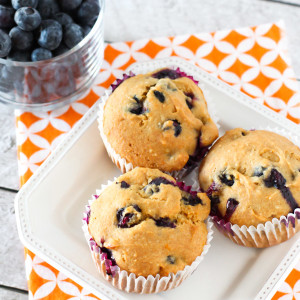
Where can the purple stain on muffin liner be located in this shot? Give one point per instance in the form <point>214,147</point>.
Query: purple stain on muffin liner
<point>222,225</point>
<point>87,214</point>
<point>187,188</point>
<point>180,184</point>
<point>119,81</point>
<point>104,253</point>
<point>193,162</point>
<point>213,188</point>
<point>172,74</point>
<point>290,219</point>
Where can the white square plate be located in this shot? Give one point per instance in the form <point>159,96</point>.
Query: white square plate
<point>50,205</point>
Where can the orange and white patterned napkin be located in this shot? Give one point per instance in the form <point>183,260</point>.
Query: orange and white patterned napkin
<point>252,59</point>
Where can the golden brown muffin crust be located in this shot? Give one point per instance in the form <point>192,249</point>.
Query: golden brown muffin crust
<point>164,234</point>
<point>149,123</point>
<point>259,169</point>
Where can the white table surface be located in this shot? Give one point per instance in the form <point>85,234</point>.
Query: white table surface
<point>130,20</point>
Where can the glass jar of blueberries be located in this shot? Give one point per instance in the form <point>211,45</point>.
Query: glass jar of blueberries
<point>50,51</point>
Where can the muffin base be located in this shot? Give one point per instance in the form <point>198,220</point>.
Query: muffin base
<point>129,282</point>
<point>264,235</point>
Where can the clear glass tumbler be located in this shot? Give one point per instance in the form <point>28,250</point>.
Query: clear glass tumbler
<point>48,84</point>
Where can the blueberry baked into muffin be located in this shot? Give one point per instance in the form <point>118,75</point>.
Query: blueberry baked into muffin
<point>159,120</point>
<point>251,177</point>
<point>147,224</point>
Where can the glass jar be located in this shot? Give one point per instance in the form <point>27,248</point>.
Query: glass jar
<point>48,84</point>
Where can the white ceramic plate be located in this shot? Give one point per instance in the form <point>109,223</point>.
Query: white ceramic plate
<point>49,207</point>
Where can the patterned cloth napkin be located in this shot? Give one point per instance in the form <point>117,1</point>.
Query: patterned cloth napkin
<point>252,59</point>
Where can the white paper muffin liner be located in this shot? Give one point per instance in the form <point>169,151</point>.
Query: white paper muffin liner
<point>121,162</point>
<point>270,233</point>
<point>129,282</point>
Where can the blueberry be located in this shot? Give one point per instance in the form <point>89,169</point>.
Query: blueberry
<point>120,213</point>
<point>192,200</point>
<point>69,4</point>
<point>6,16</point>
<point>5,43</point>
<point>50,34</point>
<point>190,95</point>
<point>73,34</point>
<point>277,181</point>
<point>128,220</point>
<point>16,4</point>
<point>211,193</point>
<point>27,18</point>
<point>123,220</point>
<point>109,259</point>
<point>177,128</point>
<point>86,29</point>
<point>41,54</point>
<point>150,189</point>
<point>172,124</point>
<point>136,108</point>
<point>189,100</point>
<point>88,12</point>
<point>161,180</point>
<point>124,185</point>
<point>189,103</point>
<point>160,96</point>
<point>288,196</point>
<point>259,171</point>
<point>172,74</point>
<point>137,208</point>
<point>171,259</point>
<point>107,251</point>
<point>18,55</point>
<point>62,48</point>
<point>21,40</point>
<point>227,179</point>
<point>231,206</point>
<point>165,222</point>
<point>63,19</point>
<point>215,200</point>
<point>47,8</point>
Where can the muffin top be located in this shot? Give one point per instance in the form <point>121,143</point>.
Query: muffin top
<point>252,176</point>
<point>158,120</point>
<point>148,224</point>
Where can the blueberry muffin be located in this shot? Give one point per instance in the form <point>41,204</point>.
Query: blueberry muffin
<point>252,177</point>
<point>147,224</point>
<point>158,120</point>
